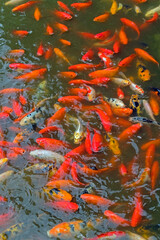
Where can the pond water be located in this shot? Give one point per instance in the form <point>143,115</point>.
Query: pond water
<point>27,203</point>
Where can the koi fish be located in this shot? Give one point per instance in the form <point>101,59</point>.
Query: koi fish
<point>3,162</point>
<point>37,14</point>
<point>114,7</point>
<point>130,24</point>
<point>143,120</point>
<point>61,55</point>
<point>62,27</point>
<point>120,93</point>
<point>88,55</point>
<point>96,200</point>
<point>126,61</point>
<point>137,213</point>
<point>113,145</point>
<point>97,141</point>
<point>12,231</point>
<point>23,6</point>
<point>49,30</point>
<point>20,33</point>
<point>102,35</point>
<point>88,143</point>
<point>156,142</point>
<point>62,183</point>
<point>102,17</point>
<point>65,206</point>
<point>150,153</point>
<point>148,109</point>
<point>65,42</point>
<point>114,102</point>
<point>108,72</point>
<point>121,82</point>
<point>23,66</point>
<point>116,219</point>
<point>79,132</point>
<point>108,235</point>
<point>33,117</point>
<point>32,75</point>
<point>123,36</point>
<point>145,55</point>
<point>62,15</point>
<point>105,119</point>
<point>68,74</point>
<point>83,66</point>
<point>154,174</point>
<point>143,73</point>
<point>129,132</point>
<point>47,155</point>
<point>52,144</point>
<point>64,7</point>
<point>136,88</point>
<point>80,6</point>
<point>135,104</point>
<point>66,229</point>
<point>151,12</point>
<point>40,168</point>
<point>57,116</point>
<point>58,194</point>
<point>17,52</point>
<point>154,105</point>
<point>75,175</point>
<point>5,175</point>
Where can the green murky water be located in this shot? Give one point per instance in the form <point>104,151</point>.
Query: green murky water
<point>24,190</point>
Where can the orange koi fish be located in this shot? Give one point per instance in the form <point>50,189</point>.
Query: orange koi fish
<point>150,156</point>
<point>137,213</point>
<point>130,24</point>
<point>108,72</point>
<point>88,55</point>
<point>20,33</point>
<point>64,7</point>
<point>97,141</point>
<point>63,183</point>
<point>23,66</point>
<point>37,14</point>
<point>120,93</point>
<point>48,53</point>
<point>17,108</point>
<point>116,46</point>
<point>49,30</point>
<point>116,219</point>
<point>143,54</point>
<point>154,105</point>
<point>114,8</point>
<point>52,144</point>
<point>68,74</point>
<point>105,119</point>
<point>80,6</point>
<point>61,55</point>
<point>58,116</point>
<point>7,144</point>
<point>78,91</point>
<point>77,151</point>
<point>13,90</point>
<point>62,27</point>
<point>129,132</point>
<point>154,174</point>
<point>106,107</point>
<point>126,61</point>
<point>63,170</point>
<point>69,100</point>
<point>65,42</point>
<point>22,99</point>
<point>86,35</point>
<point>108,235</point>
<point>51,129</point>
<point>22,7</point>
<point>123,37</point>
<point>58,194</point>
<point>102,35</point>
<point>75,175</point>
<point>156,142</point>
<point>96,200</point>
<point>107,60</point>
<point>62,15</point>
<point>102,17</point>
<point>17,52</point>
<point>64,206</point>
<point>83,66</point>
<point>102,81</point>
<point>32,75</point>
<point>7,109</point>
<point>40,50</point>
<point>66,229</point>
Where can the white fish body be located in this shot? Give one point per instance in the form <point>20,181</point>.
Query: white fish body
<point>5,175</point>
<point>151,12</point>
<point>47,155</point>
<point>136,88</point>
<point>148,110</point>
<point>115,102</point>
<point>13,2</point>
<point>121,82</point>
<point>134,236</point>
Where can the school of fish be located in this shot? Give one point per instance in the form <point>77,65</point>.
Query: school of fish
<point>103,127</point>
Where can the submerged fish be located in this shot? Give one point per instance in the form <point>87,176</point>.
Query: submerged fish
<point>114,102</point>
<point>5,175</point>
<point>11,232</point>
<point>134,236</point>
<point>135,104</point>
<point>143,72</point>
<point>151,12</point>
<point>143,120</point>
<point>47,155</point>
<point>40,168</point>
<point>33,117</point>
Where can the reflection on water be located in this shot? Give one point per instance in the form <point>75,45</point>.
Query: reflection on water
<point>28,213</point>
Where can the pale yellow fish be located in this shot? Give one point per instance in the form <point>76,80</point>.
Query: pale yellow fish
<point>61,55</point>
<point>114,8</point>
<point>152,11</point>
<point>13,2</point>
<point>3,161</point>
<point>5,175</point>
<point>113,145</point>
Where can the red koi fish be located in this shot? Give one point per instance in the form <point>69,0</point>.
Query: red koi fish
<point>23,6</point>
<point>156,142</point>
<point>106,107</point>
<point>105,119</point>
<point>102,17</point>
<point>137,213</point>
<point>86,35</point>
<point>7,144</point>
<point>122,170</point>
<point>140,1</point>
<point>20,33</point>
<point>150,156</point>
<point>4,115</point>
<point>96,200</point>
<point>130,24</point>
<point>64,7</point>
<point>64,206</point>
<point>37,14</point>
<point>126,61</point>
<point>78,91</point>
<point>106,51</point>
<point>83,66</point>
<point>108,72</point>
<point>66,229</point>
<point>40,50</point>
<point>116,46</point>
<point>2,154</point>
<point>122,112</point>
<point>96,81</point>
<point>58,116</point>
<point>107,60</point>
<point>49,30</point>
<point>75,175</point>
<point>62,183</point>
<point>23,66</point>
<point>88,143</point>
<point>88,55</point>
<point>22,100</point>
<point>154,174</point>
<point>70,100</point>
<point>62,15</point>
<point>123,37</point>
<point>149,21</point>
<point>77,151</point>
<point>97,141</point>
<point>32,75</point>
<point>116,219</point>
<point>80,6</point>
<point>17,52</point>
<point>143,54</point>
<point>108,235</point>
<point>62,171</point>
<point>102,35</point>
<point>120,93</point>
<point>62,27</point>
<point>7,109</point>
<point>52,144</point>
<point>51,129</point>
<point>129,132</point>
<point>17,108</point>
<point>48,53</point>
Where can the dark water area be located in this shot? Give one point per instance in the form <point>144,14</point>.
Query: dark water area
<point>30,214</point>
